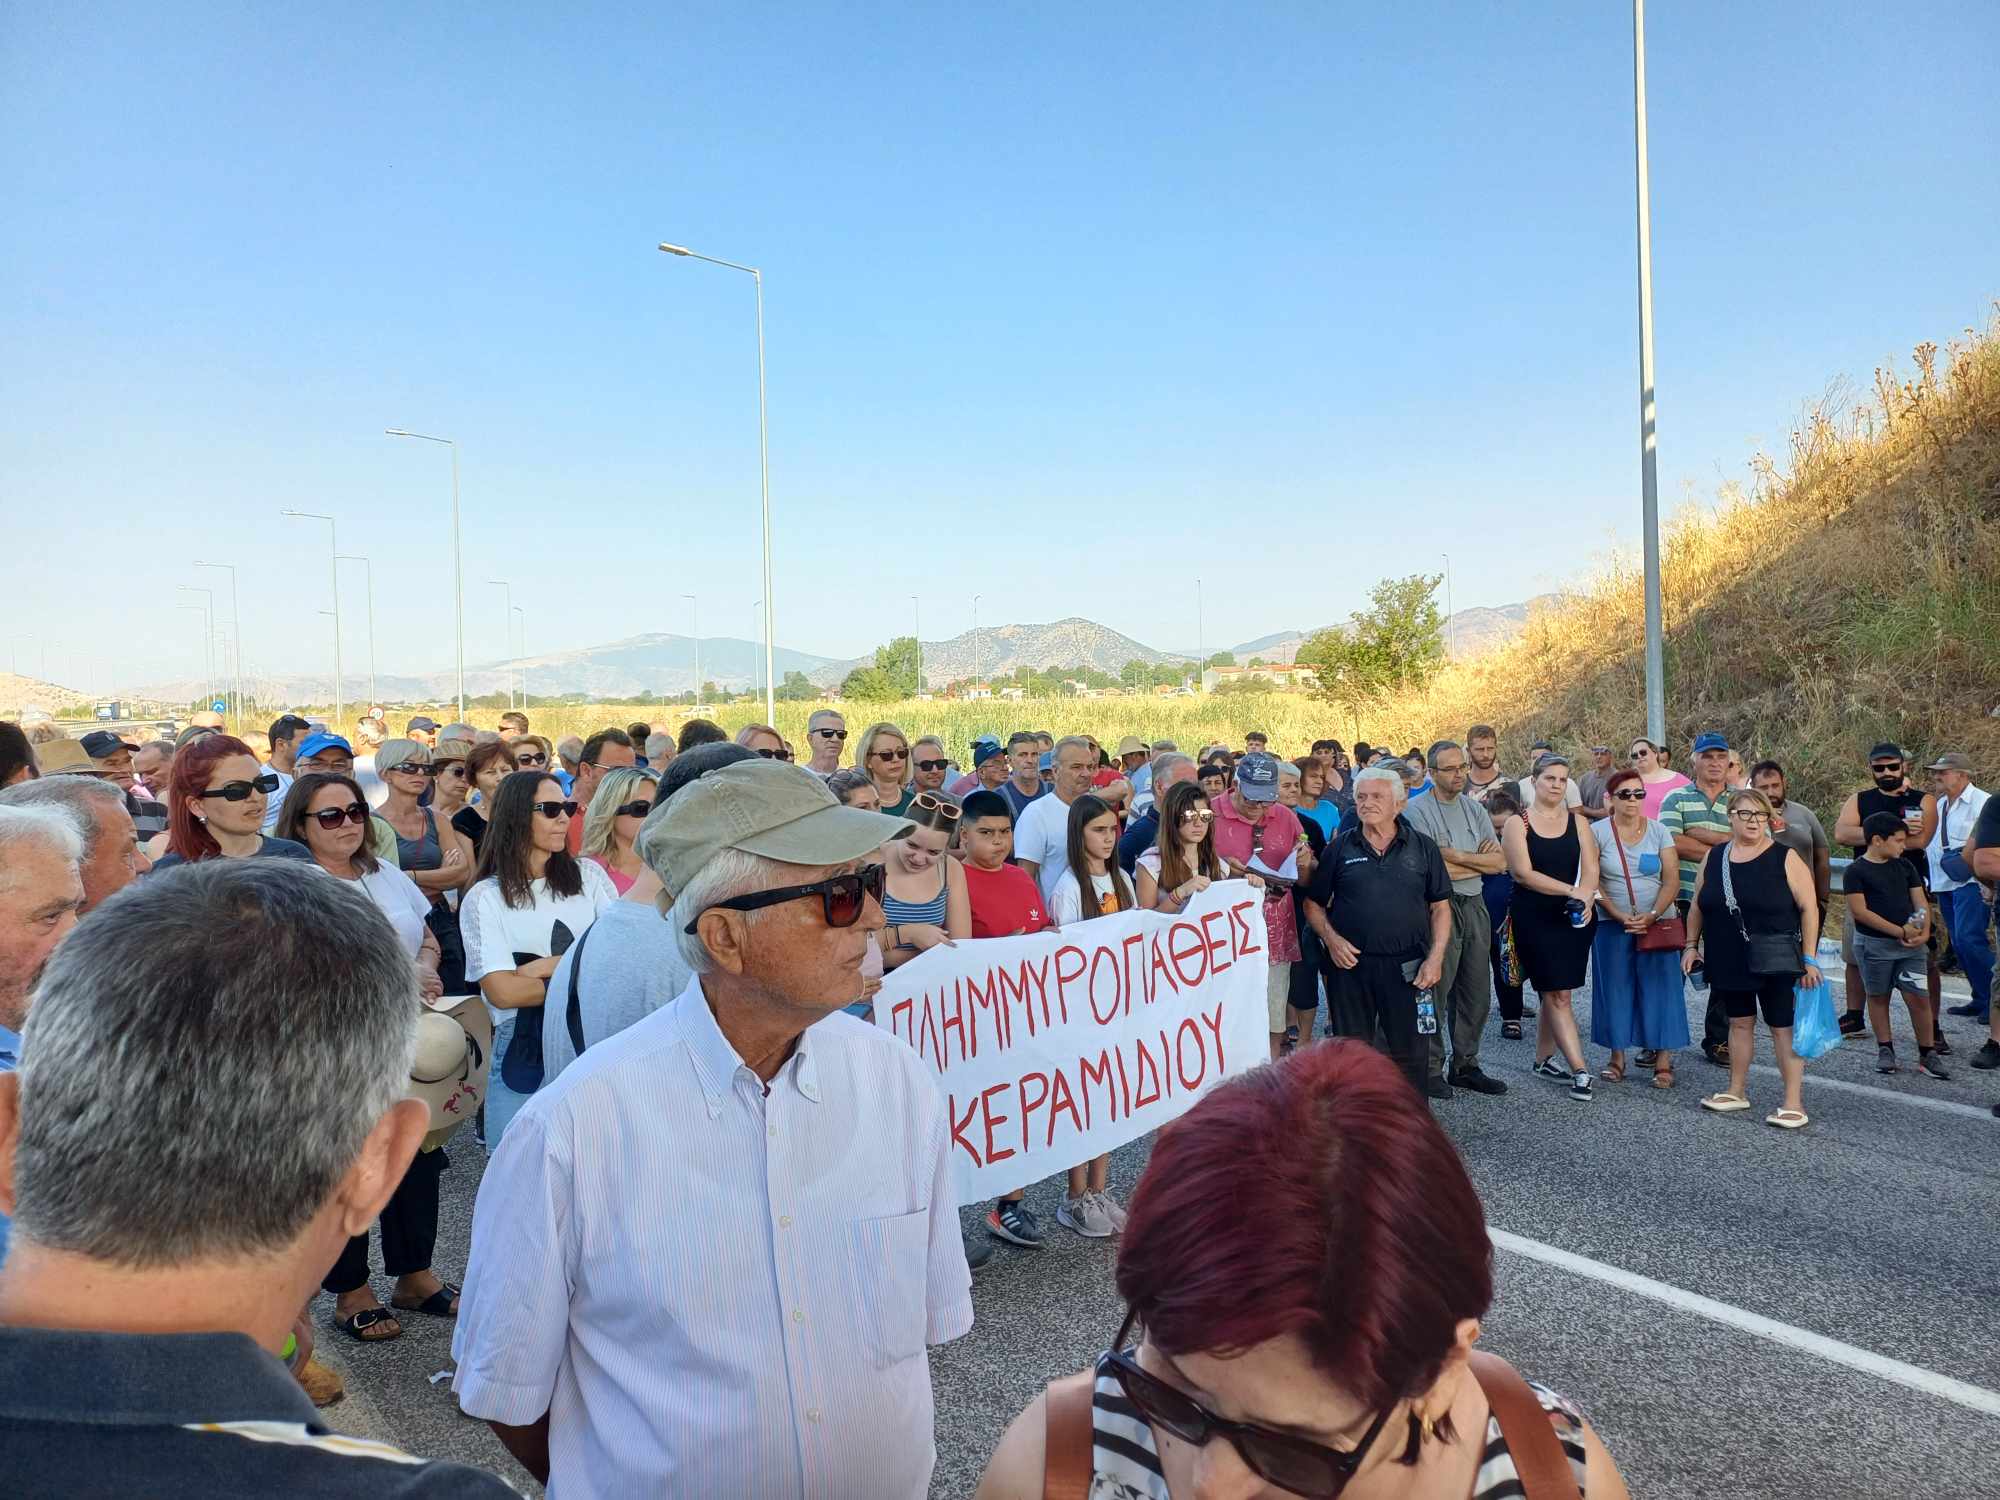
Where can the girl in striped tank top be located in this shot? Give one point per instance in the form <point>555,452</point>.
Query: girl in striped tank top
<point>923,897</point>
<point>1304,1326</point>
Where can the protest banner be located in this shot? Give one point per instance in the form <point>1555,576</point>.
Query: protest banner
<point>1052,1048</point>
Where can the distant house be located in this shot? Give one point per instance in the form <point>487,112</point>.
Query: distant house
<point>1012,694</point>
<point>1287,676</point>
<point>977,691</point>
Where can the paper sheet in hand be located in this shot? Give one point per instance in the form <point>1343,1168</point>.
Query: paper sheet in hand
<point>1288,871</point>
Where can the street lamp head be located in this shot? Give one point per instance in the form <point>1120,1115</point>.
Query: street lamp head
<point>676,249</point>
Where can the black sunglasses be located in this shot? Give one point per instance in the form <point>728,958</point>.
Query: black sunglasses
<point>331,818</point>
<point>842,897</point>
<point>239,791</point>
<point>411,768</point>
<point>1887,765</point>
<point>831,734</point>
<point>533,758</point>
<point>1291,1463</point>
<point>1630,796</point>
<point>634,810</point>
<point>932,765</point>
<point>902,754</point>
<point>775,754</point>
<point>555,809</point>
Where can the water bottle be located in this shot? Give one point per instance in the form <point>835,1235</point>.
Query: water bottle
<point>1427,1016</point>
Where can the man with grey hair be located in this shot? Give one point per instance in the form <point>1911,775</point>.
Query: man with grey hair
<point>1463,833</point>
<point>1041,831</point>
<point>659,750</point>
<point>569,750</point>
<point>170,1223</point>
<point>112,858</point>
<point>1380,901</point>
<point>150,764</point>
<point>760,1188</point>
<point>1167,769</point>
<point>826,739</point>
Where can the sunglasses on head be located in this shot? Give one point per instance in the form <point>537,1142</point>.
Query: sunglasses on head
<point>635,809</point>
<point>555,809</point>
<point>902,754</point>
<point>930,802</point>
<point>331,818</point>
<point>239,791</point>
<point>831,734</point>
<point>842,897</point>
<point>932,765</point>
<point>1294,1464</point>
<point>531,758</point>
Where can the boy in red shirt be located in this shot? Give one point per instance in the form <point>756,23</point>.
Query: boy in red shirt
<point>1006,902</point>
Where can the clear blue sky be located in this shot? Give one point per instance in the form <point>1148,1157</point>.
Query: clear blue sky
<point>1066,305</point>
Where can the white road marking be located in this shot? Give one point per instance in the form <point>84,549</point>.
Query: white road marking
<point>1929,1382</point>
<point>1979,1112</point>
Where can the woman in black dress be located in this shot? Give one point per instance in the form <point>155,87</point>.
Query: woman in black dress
<point>1553,859</point>
<point>1774,897</point>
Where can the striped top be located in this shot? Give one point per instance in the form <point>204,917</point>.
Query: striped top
<point>715,1287</point>
<point>897,911</point>
<point>1125,1465</point>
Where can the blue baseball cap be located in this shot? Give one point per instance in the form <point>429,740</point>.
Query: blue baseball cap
<point>318,742</point>
<point>1048,760</point>
<point>1257,777</point>
<point>1709,740</point>
<point>985,750</point>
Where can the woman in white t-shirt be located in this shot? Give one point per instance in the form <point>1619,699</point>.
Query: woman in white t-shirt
<point>529,901</point>
<point>328,813</point>
<point>1183,862</point>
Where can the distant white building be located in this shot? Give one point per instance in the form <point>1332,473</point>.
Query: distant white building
<point>1287,676</point>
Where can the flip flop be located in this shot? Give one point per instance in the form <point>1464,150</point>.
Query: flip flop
<point>436,1305</point>
<point>360,1326</point>
<point>1725,1104</point>
<point>1786,1119</point>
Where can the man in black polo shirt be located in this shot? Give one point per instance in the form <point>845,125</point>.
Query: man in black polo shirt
<point>184,1172</point>
<point>1381,904</point>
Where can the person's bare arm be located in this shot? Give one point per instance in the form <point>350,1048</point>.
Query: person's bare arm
<point>1923,836</point>
<point>1800,881</point>
<point>1601,1478</point>
<point>1488,859</point>
<point>1586,865</point>
<point>1431,970</point>
<point>1017,1468</point>
<point>1822,875</point>
<point>1847,827</point>
<point>958,902</point>
<point>519,989</point>
<point>529,1445</point>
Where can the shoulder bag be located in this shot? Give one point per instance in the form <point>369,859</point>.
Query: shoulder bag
<point>1768,954</point>
<point>1666,932</point>
<point>1951,861</point>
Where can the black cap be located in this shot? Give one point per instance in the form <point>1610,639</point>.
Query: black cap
<point>102,744</point>
<point>1541,745</point>
<point>421,722</point>
<point>1887,750</point>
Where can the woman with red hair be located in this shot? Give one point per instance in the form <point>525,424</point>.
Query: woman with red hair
<point>216,803</point>
<point>1307,1263</point>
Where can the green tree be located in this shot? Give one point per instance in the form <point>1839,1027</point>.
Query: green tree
<point>896,660</point>
<point>1221,659</point>
<point>796,689</point>
<point>1396,644</point>
<point>868,685</point>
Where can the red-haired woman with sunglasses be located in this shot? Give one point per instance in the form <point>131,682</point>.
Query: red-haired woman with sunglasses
<point>530,899</point>
<point>216,799</point>
<point>1306,1328</point>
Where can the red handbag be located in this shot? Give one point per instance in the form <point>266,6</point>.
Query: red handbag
<point>1666,932</point>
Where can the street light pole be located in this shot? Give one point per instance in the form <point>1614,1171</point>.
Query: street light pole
<point>507,631</point>
<point>1649,458</point>
<point>520,665</point>
<point>1450,630</point>
<point>236,628</point>
<point>368,572</point>
<point>333,541</point>
<point>763,462</point>
<point>757,608</point>
<point>1200,634</point>
<point>917,606</point>
<point>978,648</point>
<point>697,649</point>
<point>457,556</point>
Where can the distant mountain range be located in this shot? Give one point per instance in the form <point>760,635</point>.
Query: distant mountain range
<point>664,663</point>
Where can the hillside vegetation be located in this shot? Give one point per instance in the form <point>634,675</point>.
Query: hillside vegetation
<point>1852,595</point>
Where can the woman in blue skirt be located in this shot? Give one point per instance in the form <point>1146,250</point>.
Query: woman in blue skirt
<point>1635,995</point>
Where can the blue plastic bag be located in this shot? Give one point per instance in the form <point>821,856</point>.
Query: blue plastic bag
<point>1815,1030</point>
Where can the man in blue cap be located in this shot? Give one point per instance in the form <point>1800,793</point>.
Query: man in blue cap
<point>1697,816</point>
<point>330,753</point>
<point>989,769</point>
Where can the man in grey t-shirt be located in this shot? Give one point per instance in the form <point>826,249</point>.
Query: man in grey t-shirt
<point>1797,827</point>
<point>1463,832</point>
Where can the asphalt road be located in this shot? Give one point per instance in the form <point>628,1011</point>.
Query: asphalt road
<point>1870,1235</point>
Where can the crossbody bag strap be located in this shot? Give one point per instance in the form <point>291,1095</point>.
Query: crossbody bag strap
<point>1539,1460</point>
<point>1067,1458</point>
<point>1631,890</point>
<point>1729,894</point>
<point>574,1011</point>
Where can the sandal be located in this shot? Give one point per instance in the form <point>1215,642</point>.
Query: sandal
<point>1663,1076</point>
<point>1786,1119</point>
<point>1613,1071</point>
<point>439,1304</point>
<point>367,1326</point>
<point>1725,1104</point>
<point>1510,1031</point>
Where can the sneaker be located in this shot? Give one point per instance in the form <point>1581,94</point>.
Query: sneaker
<point>1553,1067</point>
<point>978,1251</point>
<point>1113,1209</point>
<point>1928,1064</point>
<point>1851,1024</point>
<point>1478,1081</point>
<point>1437,1088</point>
<point>1579,1087</point>
<point>1987,1057</point>
<point>1085,1217</point>
<point>1885,1059</point>
<point>1968,1010</point>
<point>1015,1223</point>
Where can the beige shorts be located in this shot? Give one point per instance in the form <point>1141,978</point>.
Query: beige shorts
<point>1278,997</point>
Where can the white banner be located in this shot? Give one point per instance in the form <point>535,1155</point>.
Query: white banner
<point>1054,1048</point>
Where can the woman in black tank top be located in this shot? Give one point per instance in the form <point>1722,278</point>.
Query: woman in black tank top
<point>1554,866</point>
<point>1773,896</point>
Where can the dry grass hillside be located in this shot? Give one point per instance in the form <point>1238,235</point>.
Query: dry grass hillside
<point>1852,596</point>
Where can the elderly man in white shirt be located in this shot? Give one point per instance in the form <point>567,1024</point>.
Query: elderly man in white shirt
<point>1960,901</point>
<point>708,1257</point>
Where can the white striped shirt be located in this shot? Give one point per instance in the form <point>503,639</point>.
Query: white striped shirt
<point>713,1290</point>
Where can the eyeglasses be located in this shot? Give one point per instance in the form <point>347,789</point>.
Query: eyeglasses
<point>1751,813</point>
<point>1630,796</point>
<point>902,754</point>
<point>1293,1464</point>
<point>775,754</point>
<point>842,897</point>
<point>534,758</point>
<point>331,818</point>
<point>634,810</point>
<point>932,765</point>
<point>930,802</point>
<point>831,734</point>
<point>1638,755</point>
<point>452,768</point>
<point>239,791</point>
<point>555,809</point>
<point>411,768</point>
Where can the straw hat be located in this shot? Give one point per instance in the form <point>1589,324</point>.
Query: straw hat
<point>449,1072</point>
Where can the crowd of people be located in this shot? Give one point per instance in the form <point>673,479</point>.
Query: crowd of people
<point>614,963</point>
